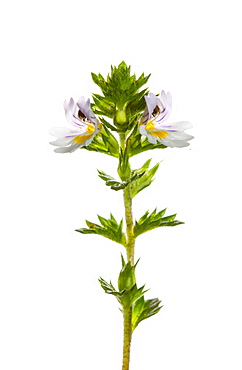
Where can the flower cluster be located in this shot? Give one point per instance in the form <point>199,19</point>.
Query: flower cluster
<point>151,124</point>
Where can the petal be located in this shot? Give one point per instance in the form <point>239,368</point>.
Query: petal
<point>68,149</point>
<point>60,132</point>
<point>86,110</point>
<point>64,141</point>
<point>69,110</point>
<point>145,117</point>
<point>180,135</point>
<point>151,101</point>
<point>179,126</point>
<point>166,99</point>
<point>174,143</point>
<point>142,130</point>
<point>152,139</point>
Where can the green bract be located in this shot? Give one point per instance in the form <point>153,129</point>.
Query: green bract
<point>122,101</point>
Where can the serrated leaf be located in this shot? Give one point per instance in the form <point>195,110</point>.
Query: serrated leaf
<point>109,228</point>
<point>145,180</point>
<point>144,309</point>
<point>150,221</point>
<point>108,287</point>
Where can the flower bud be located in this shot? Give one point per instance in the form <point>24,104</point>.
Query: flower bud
<point>121,117</point>
<point>126,278</point>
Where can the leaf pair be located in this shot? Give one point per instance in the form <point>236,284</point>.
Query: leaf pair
<point>127,292</point>
<point>129,295</point>
<point>139,179</point>
<point>109,228</point>
<point>114,184</point>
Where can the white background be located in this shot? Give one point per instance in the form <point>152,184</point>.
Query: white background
<point>54,315</point>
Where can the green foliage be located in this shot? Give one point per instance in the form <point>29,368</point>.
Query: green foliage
<point>127,292</point>
<point>139,144</point>
<point>114,184</point>
<point>126,277</point>
<point>145,180</point>
<point>122,101</point>
<point>105,143</point>
<point>143,309</point>
<point>150,221</point>
<point>109,228</point>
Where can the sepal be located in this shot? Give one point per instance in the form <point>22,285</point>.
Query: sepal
<point>109,228</point>
<point>143,309</point>
<point>150,221</point>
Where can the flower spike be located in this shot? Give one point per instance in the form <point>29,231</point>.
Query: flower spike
<point>86,126</point>
<point>157,111</point>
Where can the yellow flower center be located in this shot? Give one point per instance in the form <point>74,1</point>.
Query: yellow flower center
<point>151,128</point>
<point>150,125</point>
<point>82,138</point>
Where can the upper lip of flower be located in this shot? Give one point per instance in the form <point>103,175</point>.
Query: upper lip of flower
<point>86,125</point>
<point>157,109</point>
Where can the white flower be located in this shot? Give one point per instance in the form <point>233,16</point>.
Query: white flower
<point>157,111</point>
<point>86,125</point>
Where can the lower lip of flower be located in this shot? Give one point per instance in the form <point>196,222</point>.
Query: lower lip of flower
<point>82,139</point>
<point>159,134</point>
<point>151,128</point>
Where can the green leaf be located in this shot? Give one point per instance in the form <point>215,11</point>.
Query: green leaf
<point>138,143</point>
<point>127,292</point>
<point>145,180</point>
<point>144,309</point>
<point>105,143</point>
<point>110,181</point>
<point>126,278</point>
<point>150,221</point>
<point>107,124</point>
<point>116,185</point>
<point>109,228</point>
<point>108,287</point>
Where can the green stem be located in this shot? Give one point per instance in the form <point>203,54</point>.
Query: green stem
<point>127,312</point>
<point>129,224</point>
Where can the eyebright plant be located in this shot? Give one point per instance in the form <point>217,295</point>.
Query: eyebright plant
<point>125,119</point>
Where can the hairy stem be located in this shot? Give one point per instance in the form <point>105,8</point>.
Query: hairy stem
<point>127,312</point>
<point>129,224</point>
